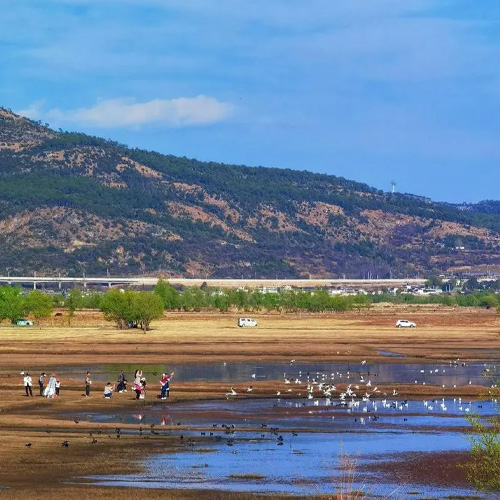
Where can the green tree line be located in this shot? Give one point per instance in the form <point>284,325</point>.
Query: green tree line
<point>139,308</point>
<point>476,299</point>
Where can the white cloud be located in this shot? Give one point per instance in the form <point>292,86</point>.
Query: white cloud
<point>34,111</point>
<point>178,112</point>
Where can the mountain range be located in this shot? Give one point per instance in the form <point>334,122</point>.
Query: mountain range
<point>71,203</point>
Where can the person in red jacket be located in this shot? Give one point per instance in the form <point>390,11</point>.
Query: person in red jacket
<point>165,385</point>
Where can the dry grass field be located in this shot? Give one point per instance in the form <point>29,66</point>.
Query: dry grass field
<point>441,333</point>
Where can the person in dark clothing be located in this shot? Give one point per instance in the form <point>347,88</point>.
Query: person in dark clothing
<point>122,382</point>
<point>88,383</point>
<point>138,390</point>
<point>41,383</point>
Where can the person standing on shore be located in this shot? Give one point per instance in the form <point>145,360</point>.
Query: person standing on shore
<point>122,382</point>
<point>50,390</point>
<point>41,383</point>
<point>142,395</point>
<point>137,383</point>
<point>28,382</point>
<point>88,383</point>
<point>165,385</point>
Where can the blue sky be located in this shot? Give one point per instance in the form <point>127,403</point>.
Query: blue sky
<point>372,90</point>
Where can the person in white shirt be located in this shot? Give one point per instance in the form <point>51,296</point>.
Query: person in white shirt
<point>28,382</point>
<point>108,390</point>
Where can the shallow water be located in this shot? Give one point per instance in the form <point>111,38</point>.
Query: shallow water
<point>380,373</point>
<point>308,460</point>
<point>314,430</point>
<point>378,415</point>
<point>312,458</point>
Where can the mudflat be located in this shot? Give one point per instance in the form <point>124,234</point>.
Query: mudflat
<point>34,463</point>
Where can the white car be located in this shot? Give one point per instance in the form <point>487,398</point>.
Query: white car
<point>23,322</point>
<point>242,322</point>
<point>404,323</point>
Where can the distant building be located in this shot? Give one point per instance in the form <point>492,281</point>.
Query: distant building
<point>268,289</point>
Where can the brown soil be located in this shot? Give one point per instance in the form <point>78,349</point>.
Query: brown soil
<point>440,469</point>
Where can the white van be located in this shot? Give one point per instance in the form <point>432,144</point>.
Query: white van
<point>246,322</point>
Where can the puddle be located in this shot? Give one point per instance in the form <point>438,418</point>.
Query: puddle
<point>390,354</point>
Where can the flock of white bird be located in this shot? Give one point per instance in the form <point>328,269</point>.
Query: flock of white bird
<point>358,396</point>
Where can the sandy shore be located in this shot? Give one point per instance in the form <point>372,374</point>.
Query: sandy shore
<point>46,467</point>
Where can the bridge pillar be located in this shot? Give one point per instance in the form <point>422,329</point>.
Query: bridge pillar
<point>34,285</point>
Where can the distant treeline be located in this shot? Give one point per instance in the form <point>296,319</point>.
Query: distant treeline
<point>475,299</point>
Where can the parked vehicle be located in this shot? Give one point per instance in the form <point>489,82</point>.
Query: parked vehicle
<point>243,322</point>
<point>404,323</point>
<point>23,322</point>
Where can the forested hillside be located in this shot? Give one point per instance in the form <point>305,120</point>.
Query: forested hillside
<point>72,203</point>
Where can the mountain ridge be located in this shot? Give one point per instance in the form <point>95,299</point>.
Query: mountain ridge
<point>74,203</point>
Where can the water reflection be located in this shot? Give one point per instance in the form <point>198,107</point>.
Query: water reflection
<point>292,446</point>
<point>381,373</point>
<point>372,416</point>
<point>303,464</point>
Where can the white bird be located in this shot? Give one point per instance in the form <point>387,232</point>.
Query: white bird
<point>253,375</point>
<point>232,393</point>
